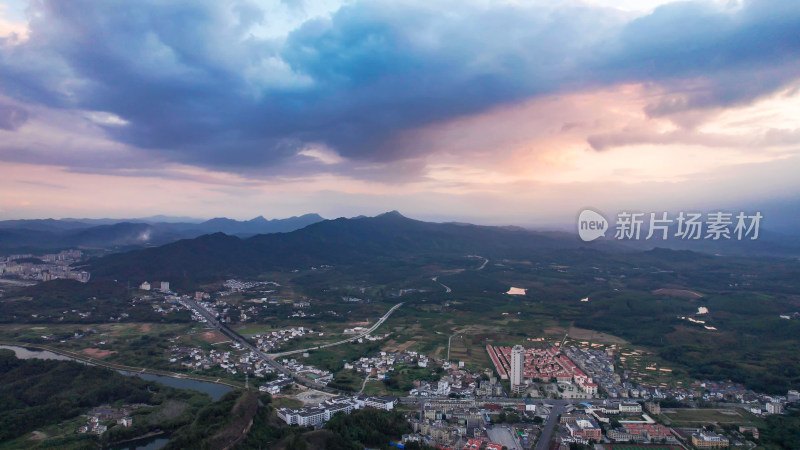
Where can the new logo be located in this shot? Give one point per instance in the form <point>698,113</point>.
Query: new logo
<point>591,225</point>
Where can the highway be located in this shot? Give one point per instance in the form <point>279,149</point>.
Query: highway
<point>269,359</point>
<point>213,322</point>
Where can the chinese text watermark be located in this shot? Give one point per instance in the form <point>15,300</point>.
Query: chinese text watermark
<point>661,226</point>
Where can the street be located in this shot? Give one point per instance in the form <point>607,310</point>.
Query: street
<point>552,421</point>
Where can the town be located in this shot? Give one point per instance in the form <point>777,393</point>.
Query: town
<point>50,266</point>
<point>515,404</point>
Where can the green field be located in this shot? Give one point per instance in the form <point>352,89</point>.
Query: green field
<point>686,416</point>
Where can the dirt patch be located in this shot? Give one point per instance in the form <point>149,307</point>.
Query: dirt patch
<point>97,353</point>
<point>405,345</point>
<point>555,330</point>
<point>312,397</point>
<point>37,436</point>
<point>145,328</point>
<point>594,336</point>
<point>212,337</point>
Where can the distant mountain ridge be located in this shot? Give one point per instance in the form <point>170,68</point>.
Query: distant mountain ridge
<point>105,233</point>
<point>386,237</point>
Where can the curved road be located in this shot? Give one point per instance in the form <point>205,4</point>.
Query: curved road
<point>447,290</point>
<point>354,338</point>
<point>269,358</point>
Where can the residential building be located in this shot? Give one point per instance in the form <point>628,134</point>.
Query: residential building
<point>517,367</point>
<point>630,408</point>
<point>774,408</point>
<point>653,407</point>
<point>385,403</point>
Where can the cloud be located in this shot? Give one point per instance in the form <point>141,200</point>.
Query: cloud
<point>12,117</point>
<point>200,83</point>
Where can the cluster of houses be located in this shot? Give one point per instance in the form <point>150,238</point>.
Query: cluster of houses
<point>239,286</point>
<point>458,423</point>
<point>313,373</point>
<point>272,340</point>
<point>319,414</point>
<point>542,364</point>
<point>276,386</point>
<point>233,363</point>
<point>384,362</point>
<point>105,413</point>
<point>455,381</point>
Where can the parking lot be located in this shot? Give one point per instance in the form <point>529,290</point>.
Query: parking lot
<point>503,435</point>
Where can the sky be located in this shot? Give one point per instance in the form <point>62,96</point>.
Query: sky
<point>496,112</point>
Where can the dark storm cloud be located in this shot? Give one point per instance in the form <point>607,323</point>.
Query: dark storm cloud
<point>733,58</point>
<point>196,86</point>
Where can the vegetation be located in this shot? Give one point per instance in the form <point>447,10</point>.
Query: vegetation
<point>37,393</point>
<point>221,424</point>
<point>636,296</point>
<point>403,377</point>
<point>60,301</point>
<point>366,428</point>
<point>781,431</point>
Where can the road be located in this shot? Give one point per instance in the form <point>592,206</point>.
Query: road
<point>269,359</point>
<point>354,338</point>
<point>552,421</point>
<point>448,346</point>
<point>557,407</point>
<point>544,439</point>
<point>485,261</point>
<point>213,322</point>
<point>364,384</point>
<point>446,289</point>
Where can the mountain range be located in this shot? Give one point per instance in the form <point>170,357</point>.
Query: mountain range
<point>128,233</point>
<point>384,239</point>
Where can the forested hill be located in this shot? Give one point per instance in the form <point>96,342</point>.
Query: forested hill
<point>386,237</point>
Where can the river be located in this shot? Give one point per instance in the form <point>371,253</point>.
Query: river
<point>214,390</point>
